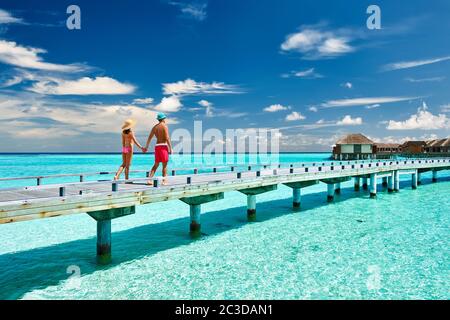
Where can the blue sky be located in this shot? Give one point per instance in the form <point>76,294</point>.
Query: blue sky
<point>310,68</point>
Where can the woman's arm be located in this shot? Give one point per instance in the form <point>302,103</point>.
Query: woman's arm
<point>135,141</point>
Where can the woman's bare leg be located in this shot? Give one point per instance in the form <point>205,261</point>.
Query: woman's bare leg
<point>122,166</point>
<point>129,157</point>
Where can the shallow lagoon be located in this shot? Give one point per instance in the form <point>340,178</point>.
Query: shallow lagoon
<point>395,247</point>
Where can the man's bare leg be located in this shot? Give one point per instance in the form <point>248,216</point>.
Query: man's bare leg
<point>152,173</point>
<point>164,173</point>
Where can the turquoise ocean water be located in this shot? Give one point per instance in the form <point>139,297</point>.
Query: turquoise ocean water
<point>394,247</point>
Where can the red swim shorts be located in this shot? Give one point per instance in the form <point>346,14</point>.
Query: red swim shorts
<point>161,153</point>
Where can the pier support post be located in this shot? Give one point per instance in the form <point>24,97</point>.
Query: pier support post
<point>397,181</point>
<point>103,218</point>
<point>391,184</point>
<point>373,185</point>
<point>251,199</point>
<point>296,195</point>
<point>419,178</point>
<point>195,225</point>
<point>330,192</point>
<point>195,210</point>
<point>337,189</point>
<point>104,242</point>
<point>251,207</point>
<point>357,183</point>
<point>365,187</point>
<point>435,176</point>
<point>414,180</point>
<point>297,191</point>
<point>385,182</point>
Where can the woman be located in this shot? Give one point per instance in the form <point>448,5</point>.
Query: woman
<point>128,140</point>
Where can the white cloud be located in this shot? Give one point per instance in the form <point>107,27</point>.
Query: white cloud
<point>28,57</point>
<point>422,120</point>
<point>445,108</point>
<point>68,119</point>
<point>349,121</point>
<point>143,101</point>
<point>413,64</point>
<point>295,116</point>
<point>11,82</point>
<point>192,87</point>
<point>83,86</point>
<point>313,109</point>
<point>315,43</point>
<point>347,85</point>
<point>275,108</point>
<point>307,74</point>
<point>434,79</point>
<point>7,18</point>
<point>193,10</point>
<point>373,106</point>
<point>169,104</point>
<point>364,101</point>
<point>208,106</point>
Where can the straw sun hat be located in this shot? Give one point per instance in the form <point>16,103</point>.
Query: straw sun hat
<point>128,124</point>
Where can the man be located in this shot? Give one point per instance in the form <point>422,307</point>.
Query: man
<point>163,146</point>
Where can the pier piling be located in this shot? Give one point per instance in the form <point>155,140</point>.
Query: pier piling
<point>414,180</point>
<point>435,176</point>
<point>396,181</point>
<point>251,207</point>
<point>385,182</point>
<point>195,226</point>
<point>195,210</point>
<point>357,183</point>
<point>296,196</point>
<point>251,199</point>
<point>104,242</point>
<point>337,189</point>
<point>330,192</point>
<point>373,185</point>
<point>365,185</point>
<point>391,182</point>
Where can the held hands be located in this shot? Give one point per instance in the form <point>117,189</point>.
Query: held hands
<point>144,150</point>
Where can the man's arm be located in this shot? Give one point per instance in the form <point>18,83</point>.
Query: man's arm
<point>169,143</point>
<point>150,137</point>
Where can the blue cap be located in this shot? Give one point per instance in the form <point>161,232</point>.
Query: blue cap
<point>160,116</point>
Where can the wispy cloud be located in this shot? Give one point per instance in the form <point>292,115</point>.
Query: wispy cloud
<point>83,86</point>
<point>275,108</point>
<point>422,120</point>
<point>364,101</point>
<point>306,74</point>
<point>295,116</point>
<point>27,57</point>
<point>143,101</point>
<point>412,64</point>
<point>347,85</point>
<point>349,121</point>
<point>192,9</point>
<point>316,42</point>
<point>7,18</point>
<point>434,79</point>
<point>192,87</point>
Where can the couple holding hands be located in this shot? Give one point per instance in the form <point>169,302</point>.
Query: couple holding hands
<point>163,147</point>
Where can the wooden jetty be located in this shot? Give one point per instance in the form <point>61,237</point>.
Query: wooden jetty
<point>107,200</point>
